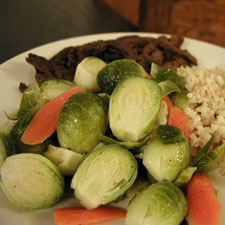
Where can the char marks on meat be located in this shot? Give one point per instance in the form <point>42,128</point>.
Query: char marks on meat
<point>163,51</point>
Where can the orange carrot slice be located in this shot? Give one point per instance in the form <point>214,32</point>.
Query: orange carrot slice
<point>43,124</point>
<point>81,216</point>
<point>204,208</point>
<point>179,119</point>
<point>147,75</point>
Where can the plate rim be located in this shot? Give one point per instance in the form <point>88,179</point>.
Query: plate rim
<point>106,36</point>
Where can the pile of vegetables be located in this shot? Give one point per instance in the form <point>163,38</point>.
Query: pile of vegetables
<point>116,132</point>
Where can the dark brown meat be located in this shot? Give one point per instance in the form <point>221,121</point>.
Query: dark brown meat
<point>163,51</point>
<point>47,69</point>
<point>106,50</point>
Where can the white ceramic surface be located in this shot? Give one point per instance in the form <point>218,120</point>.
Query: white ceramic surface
<point>15,70</point>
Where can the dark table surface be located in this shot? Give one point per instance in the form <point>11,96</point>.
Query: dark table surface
<point>25,24</point>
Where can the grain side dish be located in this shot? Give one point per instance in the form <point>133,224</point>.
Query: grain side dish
<point>206,104</point>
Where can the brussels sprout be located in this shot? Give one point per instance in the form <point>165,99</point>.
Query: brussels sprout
<point>31,181</point>
<point>51,88</point>
<point>32,100</point>
<point>87,71</point>
<point>133,108</point>
<point>116,71</point>
<point>162,203</point>
<point>165,161</point>
<point>80,122</point>
<point>67,161</point>
<point>17,132</point>
<point>104,176</point>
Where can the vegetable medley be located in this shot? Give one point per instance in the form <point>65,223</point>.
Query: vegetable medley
<point>117,132</point>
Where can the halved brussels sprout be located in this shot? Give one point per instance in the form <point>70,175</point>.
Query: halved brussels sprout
<point>66,160</point>
<point>104,176</point>
<point>165,161</point>
<point>80,122</point>
<point>31,181</point>
<point>116,71</point>
<point>162,203</point>
<point>52,88</point>
<point>87,71</point>
<point>133,108</point>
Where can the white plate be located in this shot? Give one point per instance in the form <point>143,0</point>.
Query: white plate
<point>15,70</point>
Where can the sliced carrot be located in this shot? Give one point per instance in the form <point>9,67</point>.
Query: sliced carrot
<point>204,208</point>
<point>179,119</point>
<point>169,104</point>
<point>82,216</point>
<point>43,124</point>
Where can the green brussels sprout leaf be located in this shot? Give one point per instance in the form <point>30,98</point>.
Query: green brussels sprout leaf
<point>126,144</point>
<point>185,176</point>
<point>202,153</point>
<point>161,74</point>
<point>180,100</point>
<point>211,160</point>
<point>169,134</point>
<point>168,87</point>
<point>32,100</point>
